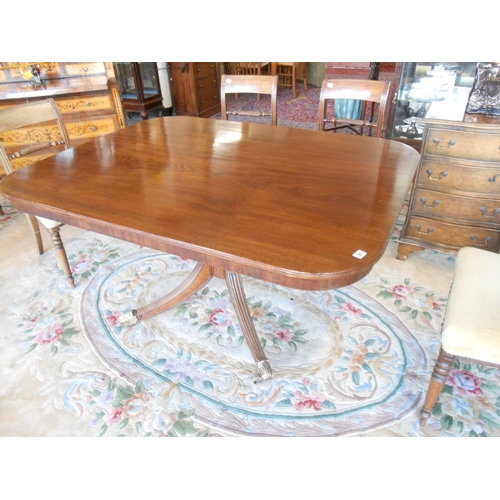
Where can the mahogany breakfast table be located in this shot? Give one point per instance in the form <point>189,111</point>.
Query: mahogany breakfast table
<point>300,208</point>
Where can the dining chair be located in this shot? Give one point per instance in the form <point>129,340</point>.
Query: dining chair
<point>250,68</point>
<point>471,326</point>
<point>356,104</point>
<point>28,133</point>
<point>249,84</point>
<point>289,72</point>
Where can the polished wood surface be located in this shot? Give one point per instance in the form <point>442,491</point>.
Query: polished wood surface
<point>289,206</point>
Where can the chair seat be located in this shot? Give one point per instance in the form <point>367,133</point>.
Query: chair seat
<point>471,327</point>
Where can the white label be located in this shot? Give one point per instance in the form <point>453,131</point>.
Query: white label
<point>329,85</point>
<point>359,254</point>
<point>228,80</point>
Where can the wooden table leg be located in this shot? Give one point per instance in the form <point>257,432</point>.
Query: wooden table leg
<point>238,298</point>
<point>200,275</point>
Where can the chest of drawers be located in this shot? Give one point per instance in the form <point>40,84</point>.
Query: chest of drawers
<point>455,198</point>
<point>196,88</point>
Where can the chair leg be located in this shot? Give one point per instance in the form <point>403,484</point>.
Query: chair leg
<point>438,379</point>
<point>61,253</point>
<point>33,222</point>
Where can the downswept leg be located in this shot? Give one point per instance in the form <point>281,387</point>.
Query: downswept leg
<point>235,286</point>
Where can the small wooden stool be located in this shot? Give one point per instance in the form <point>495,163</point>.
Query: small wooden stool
<point>471,327</point>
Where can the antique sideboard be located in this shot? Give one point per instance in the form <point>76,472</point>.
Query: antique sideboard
<point>86,93</point>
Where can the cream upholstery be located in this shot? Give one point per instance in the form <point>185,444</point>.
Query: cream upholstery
<point>471,327</point>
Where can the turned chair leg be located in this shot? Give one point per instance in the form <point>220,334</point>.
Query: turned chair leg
<point>438,379</point>
<point>61,253</point>
<point>33,222</point>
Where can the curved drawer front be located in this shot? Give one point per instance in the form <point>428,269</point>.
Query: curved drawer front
<point>456,144</point>
<point>435,203</point>
<point>452,235</point>
<point>442,175</point>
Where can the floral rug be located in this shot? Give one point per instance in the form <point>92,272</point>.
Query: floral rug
<point>355,361</point>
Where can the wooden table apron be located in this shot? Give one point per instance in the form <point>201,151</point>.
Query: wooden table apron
<point>288,206</point>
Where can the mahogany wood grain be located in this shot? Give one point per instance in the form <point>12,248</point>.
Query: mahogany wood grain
<point>289,206</point>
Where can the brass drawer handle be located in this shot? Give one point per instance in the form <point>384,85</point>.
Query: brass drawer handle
<point>434,204</point>
<point>418,227</point>
<point>484,210</point>
<point>486,241</point>
<point>441,175</point>
<point>452,142</point>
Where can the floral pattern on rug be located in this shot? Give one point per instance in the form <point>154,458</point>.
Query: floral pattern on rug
<point>351,359</point>
<point>381,338</point>
<point>469,404</point>
<point>10,215</point>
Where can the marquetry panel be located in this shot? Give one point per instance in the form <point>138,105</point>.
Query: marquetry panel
<point>83,69</point>
<point>86,104</point>
<point>92,128</point>
<point>85,93</point>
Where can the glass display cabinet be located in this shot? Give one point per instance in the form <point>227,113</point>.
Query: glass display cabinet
<point>438,90</point>
<point>139,87</point>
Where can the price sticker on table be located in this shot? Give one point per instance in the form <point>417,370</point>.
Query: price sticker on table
<point>359,254</point>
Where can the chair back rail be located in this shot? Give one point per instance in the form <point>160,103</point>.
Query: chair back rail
<point>368,91</point>
<point>249,84</point>
<point>17,137</point>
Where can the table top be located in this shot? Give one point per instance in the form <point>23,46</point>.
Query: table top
<point>289,206</point>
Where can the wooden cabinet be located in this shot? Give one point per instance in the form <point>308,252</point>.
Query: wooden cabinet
<point>196,88</point>
<point>85,93</point>
<point>455,199</point>
<point>139,86</point>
